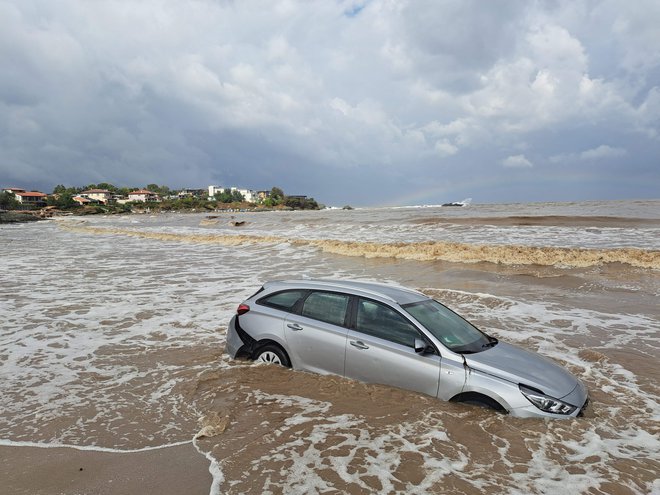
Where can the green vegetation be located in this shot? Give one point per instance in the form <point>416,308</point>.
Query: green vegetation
<point>300,203</point>
<point>8,201</point>
<point>62,198</point>
<point>229,196</point>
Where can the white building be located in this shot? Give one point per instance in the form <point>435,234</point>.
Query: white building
<point>143,196</point>
<point>213,190</point>
<point>31,198</point>
<point>248,195</point>
<point>100,195</point>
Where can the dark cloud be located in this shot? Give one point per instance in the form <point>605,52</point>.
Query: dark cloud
<point>350,102</point>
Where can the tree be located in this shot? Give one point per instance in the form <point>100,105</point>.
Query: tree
<point>276,194</point>
<point>162,190</point>
<point>107,187</point>
<point>301,203</point>
<point>229,196</point>
<point>237,197</point>
<point>8,201</point>
<point>61,200</point>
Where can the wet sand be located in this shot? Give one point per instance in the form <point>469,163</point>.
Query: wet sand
<point>60,470</point>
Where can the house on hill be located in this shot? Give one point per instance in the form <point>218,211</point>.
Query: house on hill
<point>191,193</point>
<point>143,196</point>
<point>13,190</point>
<point>27,198</point>
<point>82,201</point>
<point>99,195</point>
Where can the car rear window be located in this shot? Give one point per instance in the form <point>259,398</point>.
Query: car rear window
<point>285,300</point>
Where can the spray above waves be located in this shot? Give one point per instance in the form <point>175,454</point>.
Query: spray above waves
<point>454,252</point>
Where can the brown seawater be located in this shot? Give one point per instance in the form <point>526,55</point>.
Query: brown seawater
<point>113,334</point>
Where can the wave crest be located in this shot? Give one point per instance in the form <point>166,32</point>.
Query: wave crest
<point>419,251</point>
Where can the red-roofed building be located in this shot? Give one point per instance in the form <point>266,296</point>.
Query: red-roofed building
<point>31,198</point>
<point>13,190</point>
<point>82,201</point>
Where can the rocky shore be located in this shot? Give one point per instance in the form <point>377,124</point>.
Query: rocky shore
<point>18,216</point>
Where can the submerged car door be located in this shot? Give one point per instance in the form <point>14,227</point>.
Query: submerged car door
<point>317,336</point>
<point>380,349</point>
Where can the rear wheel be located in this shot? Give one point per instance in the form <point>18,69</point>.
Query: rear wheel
<point>272,354</point>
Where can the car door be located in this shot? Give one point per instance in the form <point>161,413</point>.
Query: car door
<point>317,335</point>
<point>380,349</point>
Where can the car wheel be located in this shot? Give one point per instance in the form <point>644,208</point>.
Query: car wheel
<point>272,354</point>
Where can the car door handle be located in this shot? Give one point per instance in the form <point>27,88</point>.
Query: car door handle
<point>294,326</point>
<point>359,344</point>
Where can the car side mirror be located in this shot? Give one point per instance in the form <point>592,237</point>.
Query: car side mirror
<point>421,347</point>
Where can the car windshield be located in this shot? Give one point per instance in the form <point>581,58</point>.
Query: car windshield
<point>453,331</point>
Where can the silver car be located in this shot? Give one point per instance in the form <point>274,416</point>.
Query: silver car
<point>395,336</point>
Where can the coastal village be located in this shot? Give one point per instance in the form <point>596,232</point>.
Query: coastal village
<point>109,199</point>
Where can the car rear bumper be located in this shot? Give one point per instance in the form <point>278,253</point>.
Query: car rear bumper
<point>234,342</point>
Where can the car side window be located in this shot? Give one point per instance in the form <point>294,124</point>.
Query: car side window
<point>285,300</point>
<point>379,320</point>
<point>329,307</point>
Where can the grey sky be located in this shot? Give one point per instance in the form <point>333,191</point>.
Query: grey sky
<point>358,102</point>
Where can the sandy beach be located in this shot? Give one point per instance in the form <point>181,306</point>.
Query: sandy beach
<point>48,471</point>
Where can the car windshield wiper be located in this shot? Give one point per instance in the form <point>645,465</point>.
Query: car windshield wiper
<point>493,342</point>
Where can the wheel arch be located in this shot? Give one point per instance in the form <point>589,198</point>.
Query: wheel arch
<point>478,397</point>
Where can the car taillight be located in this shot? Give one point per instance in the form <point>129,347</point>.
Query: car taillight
<point>242,309</point>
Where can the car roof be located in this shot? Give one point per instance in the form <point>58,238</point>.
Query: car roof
<point>397,294</point>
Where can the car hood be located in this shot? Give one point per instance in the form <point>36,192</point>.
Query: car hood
<point>520,366</point>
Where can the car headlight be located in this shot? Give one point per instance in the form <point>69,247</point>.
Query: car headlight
<point>545,402</point>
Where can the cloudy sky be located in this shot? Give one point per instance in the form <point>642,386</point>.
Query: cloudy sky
<point>357,102</point>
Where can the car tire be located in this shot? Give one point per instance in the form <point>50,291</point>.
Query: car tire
<point>272,354</point>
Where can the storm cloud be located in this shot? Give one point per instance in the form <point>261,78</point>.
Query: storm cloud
<point>360,102</point>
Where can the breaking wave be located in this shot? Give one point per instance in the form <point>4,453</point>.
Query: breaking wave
<point>544,220</point>
<point>454,252</point>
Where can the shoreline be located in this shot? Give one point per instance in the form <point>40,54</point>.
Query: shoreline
<point>169,470</point>
<point>21,216</point>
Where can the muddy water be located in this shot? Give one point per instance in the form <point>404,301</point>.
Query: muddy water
<point>113,331</point>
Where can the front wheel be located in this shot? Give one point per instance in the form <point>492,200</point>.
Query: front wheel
<point>272,354</point>
<point>479,400</point>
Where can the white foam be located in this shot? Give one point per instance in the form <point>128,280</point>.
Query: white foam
<point>402,226</point>
<point>89,448</point>
<point>214,469</point>
<point>381,451</point>
<point>73,353</point>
